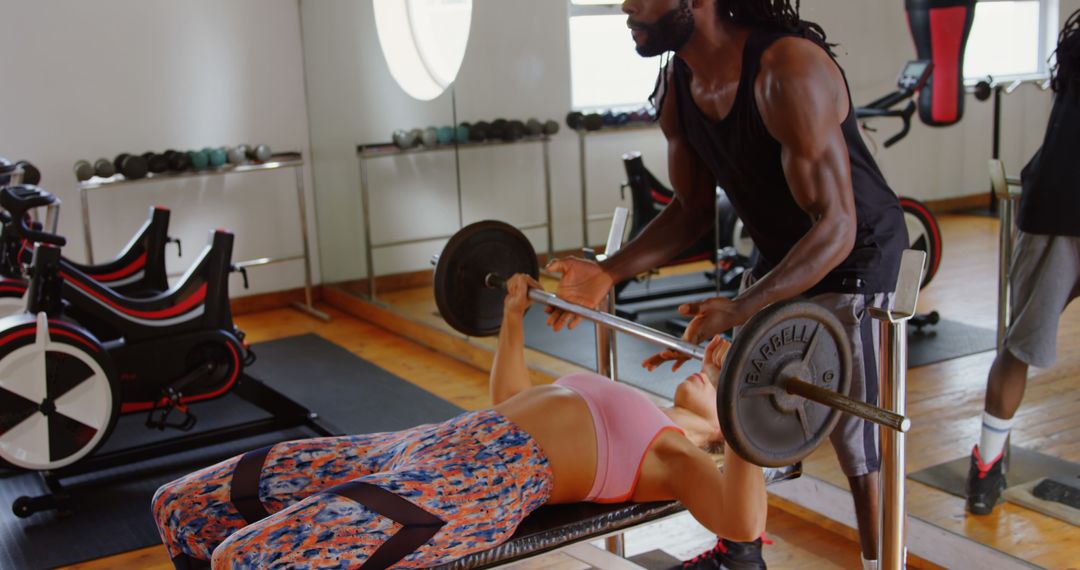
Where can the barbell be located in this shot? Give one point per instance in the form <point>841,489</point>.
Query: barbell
<point>784,381</point>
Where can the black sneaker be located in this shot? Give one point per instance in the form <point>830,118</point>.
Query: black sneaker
<point>727,555</point>
<point>985,483</point>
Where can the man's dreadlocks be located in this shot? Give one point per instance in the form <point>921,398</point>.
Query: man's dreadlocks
<point>772,14</point>
<point>1065,75</point>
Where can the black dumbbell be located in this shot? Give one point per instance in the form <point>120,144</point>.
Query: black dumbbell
<point>104,168</point>
<point>83,170</point>
<point>479,131</point>
<point>551,126</point>
<point>593,122</point>
<point>156,163</point>
<point>30,173</point>
<point>575,120</point>
<point>131,166</point>
<point>498,129</point>
<point>534,128</point>
<point>515,131</point>
<point>178,161</point>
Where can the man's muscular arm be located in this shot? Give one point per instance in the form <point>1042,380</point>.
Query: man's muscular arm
<point>683,221</point>
<point>803,101</point>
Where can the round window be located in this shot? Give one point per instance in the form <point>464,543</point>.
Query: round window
<point>424,42</point>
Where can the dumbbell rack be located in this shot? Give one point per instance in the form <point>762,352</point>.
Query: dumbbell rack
<point>368,152</point>
<point>293,160</point>
<point>583,134</point>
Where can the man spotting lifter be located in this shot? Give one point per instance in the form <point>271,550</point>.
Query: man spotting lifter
<point>753,101</point>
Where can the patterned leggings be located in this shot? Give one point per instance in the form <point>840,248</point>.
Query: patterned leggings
<point>408,499</point>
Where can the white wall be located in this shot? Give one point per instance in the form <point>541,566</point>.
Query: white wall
<point>517,66</point>
<point>94,79</point>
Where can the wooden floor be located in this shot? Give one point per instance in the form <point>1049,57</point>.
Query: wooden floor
<point>944,401</point>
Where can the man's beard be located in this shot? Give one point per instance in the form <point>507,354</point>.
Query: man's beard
<point>669,33</point>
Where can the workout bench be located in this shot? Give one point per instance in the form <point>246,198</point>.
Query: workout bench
<point>570,528</point>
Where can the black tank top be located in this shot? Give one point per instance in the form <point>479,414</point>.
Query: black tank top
<point>1050,202</point>
<point>745,159</point>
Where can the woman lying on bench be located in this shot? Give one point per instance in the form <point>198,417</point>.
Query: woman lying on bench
<point>434,493</point>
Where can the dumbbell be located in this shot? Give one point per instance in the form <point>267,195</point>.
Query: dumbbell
<point>498,129</point>
<point>217,156</point>
<point>515,130</point>
<point>155,162</point>
<point>30,173</point>
<point>480,131</point>
<point>199,159</point>
<point>430,137</point>
<point>551,127</point>
<point>236,155</point>
<point>446,135</point>
<point>404,139</point>
<point>258,153</point>
<point>534,128</point>
<point>131,166</point>
<point>83,170</point>
<point>593,122</point>
<point>102,167</point>
<point>575,120</point>
<point>461,133</point>
<point>177,161</point>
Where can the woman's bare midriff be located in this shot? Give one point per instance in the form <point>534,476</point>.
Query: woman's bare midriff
<point>560,422</point>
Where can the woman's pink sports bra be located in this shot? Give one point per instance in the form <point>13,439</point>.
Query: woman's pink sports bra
<point>626,424</point>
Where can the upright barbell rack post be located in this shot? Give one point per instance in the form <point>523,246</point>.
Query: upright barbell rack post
<point>607,355</point>
<point>1006,234</point>
<point>892,548</point>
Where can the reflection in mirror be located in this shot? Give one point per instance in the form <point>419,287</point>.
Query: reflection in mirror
<point>424,42</point>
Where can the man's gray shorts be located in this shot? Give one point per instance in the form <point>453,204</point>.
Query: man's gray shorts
<point>855,439</point>
<point>1044,277</point>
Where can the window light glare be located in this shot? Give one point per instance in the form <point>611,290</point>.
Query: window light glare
<point>423,42</point>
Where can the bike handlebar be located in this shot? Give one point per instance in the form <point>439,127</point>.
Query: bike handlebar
<point>17,200</point>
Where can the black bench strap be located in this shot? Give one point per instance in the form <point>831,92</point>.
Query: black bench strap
<point>244,488</point>
<point>418,525</point>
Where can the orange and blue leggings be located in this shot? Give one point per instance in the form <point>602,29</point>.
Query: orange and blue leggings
<point>409,499</point>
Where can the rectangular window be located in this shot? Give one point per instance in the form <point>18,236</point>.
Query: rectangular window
<point>1011,39</point>
<point>605,70</point>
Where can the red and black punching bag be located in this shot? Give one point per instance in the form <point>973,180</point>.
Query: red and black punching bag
<point>940,29</point>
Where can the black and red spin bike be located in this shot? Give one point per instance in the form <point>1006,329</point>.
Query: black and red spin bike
<point>138,270</point>
<point>62,387</point>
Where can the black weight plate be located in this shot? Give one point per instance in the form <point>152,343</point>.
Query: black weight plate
<point>924,235</point>
<point>761,421</point>
<point>490,246</point>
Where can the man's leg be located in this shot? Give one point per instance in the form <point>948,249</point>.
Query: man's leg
<point>854,439</point>
<point>865,493</point>
<point>1044,278</point>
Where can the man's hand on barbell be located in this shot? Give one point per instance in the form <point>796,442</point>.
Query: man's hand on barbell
<point>583,283</point>
<point>711,317</point>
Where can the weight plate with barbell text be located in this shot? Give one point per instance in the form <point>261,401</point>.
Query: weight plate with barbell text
<point>762,421</point>
<point>479,249</point>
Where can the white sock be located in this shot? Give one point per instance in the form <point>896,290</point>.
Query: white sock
<point>868,564</point>
<point>994,433</point>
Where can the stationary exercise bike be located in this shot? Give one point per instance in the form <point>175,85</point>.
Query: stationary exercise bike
<point>138,271</point>
<point>62,388</point>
